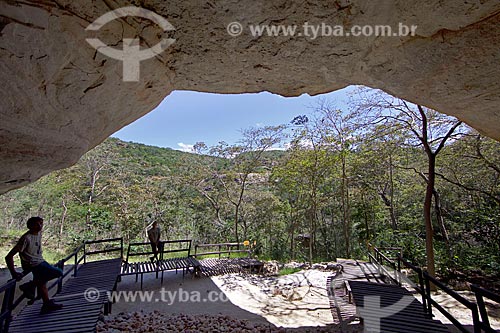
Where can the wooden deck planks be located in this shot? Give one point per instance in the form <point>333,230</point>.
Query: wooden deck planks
<point>409,319</point>
<point>77,314</point>
<point>141,268</point>
<point>214,266</point>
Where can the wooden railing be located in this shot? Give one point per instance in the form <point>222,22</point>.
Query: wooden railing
<point>221,249</point>
<point>482,293</point>
<point>430,303</point>
<point>381,260</point>
<point>165,249</point>
<point>420,284</point>
<point>9,288</point>
<point>88,251</point>
<point>423,287</point>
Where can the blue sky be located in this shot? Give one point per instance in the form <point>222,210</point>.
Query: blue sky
<point>186,117</point>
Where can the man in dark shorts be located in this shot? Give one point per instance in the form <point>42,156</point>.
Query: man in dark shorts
<point>29,248</point>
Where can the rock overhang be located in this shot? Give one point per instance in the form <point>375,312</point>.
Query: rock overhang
<point>61,97</point>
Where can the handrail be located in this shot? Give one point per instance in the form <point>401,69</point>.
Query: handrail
<point>106,240</point>
<point>162,250</point>
<point>216,244</point>
<point>162,241</point>
<point>379,259</point>
<point>219,250</point>
<point>8,289</point>
<point>470,305</point>
<point>424,288</point>
<point>100,241</point>
<point>421,284</point>
<point>480,293</point>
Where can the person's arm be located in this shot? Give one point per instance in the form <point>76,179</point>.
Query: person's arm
<point>9,260</point>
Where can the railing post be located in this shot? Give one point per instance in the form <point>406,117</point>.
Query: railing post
<point>85,252</point>
<point>60,280</point>
<point>422,288</point>
<point>121,248</point>
<point>398,272</point>
<point>76,263</point>
<point>480,304</point>
<point>428,294</point>
<point>7,306</point>
<point>475,319</point>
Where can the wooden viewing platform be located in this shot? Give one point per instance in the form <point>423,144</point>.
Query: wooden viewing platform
<point>183,259</point>
<point>409,317</point>
<point>173,255</point>
<point>79,313</point>
<point>386,300</point>
<point>214,266</point>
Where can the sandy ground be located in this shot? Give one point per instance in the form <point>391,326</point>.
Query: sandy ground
<point>171,297</point>
<point>295,300</point>
<point>290,302</point>
<point>461,313</point>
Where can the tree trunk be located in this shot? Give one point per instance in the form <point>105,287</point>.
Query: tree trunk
<point>345,208</point>
<point>365,215</point>
<point>442,227</point>
<point>429,232</point>
<point>236,217</point>
<point>311,228</point>
<point>390,208</point>
<point>61,226</point>
<point>394,221</point>
<point>292,234</point>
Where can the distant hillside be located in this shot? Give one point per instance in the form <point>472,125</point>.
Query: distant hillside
<point>149,160</point>
<point>118,187</point>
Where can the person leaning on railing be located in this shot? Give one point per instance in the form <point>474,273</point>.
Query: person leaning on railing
<point>154,239</point>
<point>29,248</point>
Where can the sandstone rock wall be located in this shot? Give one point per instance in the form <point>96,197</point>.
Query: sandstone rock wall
<point>60,97</point>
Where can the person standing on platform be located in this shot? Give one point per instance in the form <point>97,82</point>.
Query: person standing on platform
<point>154,239</point>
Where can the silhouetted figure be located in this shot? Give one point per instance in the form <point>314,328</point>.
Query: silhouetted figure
<point>29,248</point>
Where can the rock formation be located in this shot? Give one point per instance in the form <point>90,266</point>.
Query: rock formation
<point>60,97</point>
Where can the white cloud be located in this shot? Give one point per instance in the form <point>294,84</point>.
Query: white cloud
<point>185,147</point>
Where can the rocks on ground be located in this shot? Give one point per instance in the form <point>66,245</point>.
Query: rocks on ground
<point>155,321</point>
<point>273,267</point>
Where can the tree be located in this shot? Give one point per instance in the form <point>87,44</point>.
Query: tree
<point>336,129</point>
<point>243,159</point>
<point>428,129</point>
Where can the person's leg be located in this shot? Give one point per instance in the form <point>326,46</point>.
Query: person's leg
<point>43,292</point>
<point>43,273</point>
<point>160,249</point>
<point>153,249</point>
<point>156,251</point>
